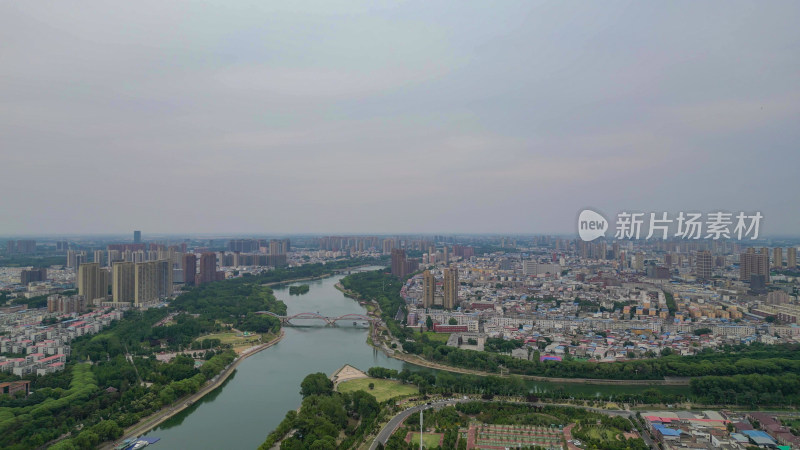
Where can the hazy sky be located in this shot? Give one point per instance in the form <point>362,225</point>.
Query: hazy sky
<point>267,117</point>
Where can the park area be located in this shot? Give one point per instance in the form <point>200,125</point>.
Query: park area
<point>432,336</point>
<point>429,440</point>
<point>237,340</point>
<point>382,389</point>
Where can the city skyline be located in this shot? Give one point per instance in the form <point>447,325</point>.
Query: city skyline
<point>380,224</point>
<point>378,117</point>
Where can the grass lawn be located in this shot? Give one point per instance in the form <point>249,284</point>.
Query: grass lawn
<point>433,337</point>
<point>384,389</point>
<point>603,434</point>
<point>429,440</point>
<point>238,342</point>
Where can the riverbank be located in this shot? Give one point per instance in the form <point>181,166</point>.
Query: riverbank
<point>152,421</point>
<point>422,362</point>
<point>295,280</point>
<point>317,277</point>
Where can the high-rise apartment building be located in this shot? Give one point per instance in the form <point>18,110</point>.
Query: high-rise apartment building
<point>75,259</point>
<point>21,246</point>
<point>399,263</point>
<point>123,278</point>
<point>752,263</point>
<point>145,288</point>
<point>791,257</point>
<point>704,265</point>
<point>91,283</point>
<point>463,251</point>
<point>189,268</point>
<point>164,277</point>
<point>243,245</point>
<point>279,246</point>
<point>777,257</point>
<point>152,281</point>
<point>450,288</point>
<point>137,237</point>
<point>637,262</point>
<point>428,289</point>
<point>98,257</point>
<point>208,268</point>
<point>32,275</point>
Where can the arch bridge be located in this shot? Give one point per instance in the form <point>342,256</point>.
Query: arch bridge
<point>328,320</point>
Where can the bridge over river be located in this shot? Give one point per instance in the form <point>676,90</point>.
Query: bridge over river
<point>328,320</point>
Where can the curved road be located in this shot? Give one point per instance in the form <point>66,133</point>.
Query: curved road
<point>390,427</point>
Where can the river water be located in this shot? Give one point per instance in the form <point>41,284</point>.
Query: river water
<point>253,401</point>
<point>255,398</point>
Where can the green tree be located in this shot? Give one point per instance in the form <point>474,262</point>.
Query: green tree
<point>452,321</point>
<point>429,323</point>
<point>316,384</point>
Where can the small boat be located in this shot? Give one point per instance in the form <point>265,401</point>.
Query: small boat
<point>140,444</point>
<point>125,444</point>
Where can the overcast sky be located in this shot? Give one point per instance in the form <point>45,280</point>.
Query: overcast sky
<point>333,117</point>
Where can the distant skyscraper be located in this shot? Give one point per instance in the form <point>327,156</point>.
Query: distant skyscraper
<point>777,257</point>
<point>208,268</point>
<point>791,257</point>
<point>274,247</point>
<point>243,245</point>
<point>163,277</point>
<point>32,275</point>
<point>399,263</point>
<point>704,265</point>
<point>278,246</point>
<point>637,263</point>
<point>189,268</point>
<point>450,288</point>
<point>21,246</point>
<point>123,278</point>
<point>752,263</point>
<point>428,289</point>
<point>137,237</point>
<point>98,257</point>
<point>26,246</point>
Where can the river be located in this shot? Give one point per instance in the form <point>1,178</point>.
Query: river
<point>253,401</point>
